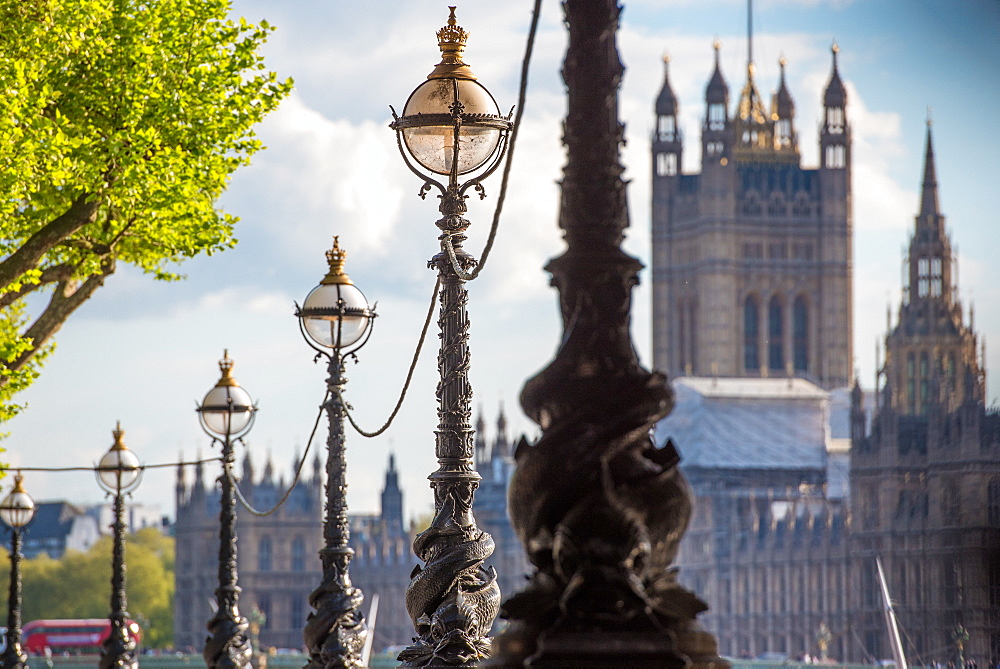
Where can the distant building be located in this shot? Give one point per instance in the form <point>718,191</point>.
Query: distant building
<point>495,463</point>
<point>278,557</point>
<point>751,257</point>
<point>767,547</point>
<point>56,528</point>
<point>926,474</point>
<point>781,541</point>
<point>137,517</point>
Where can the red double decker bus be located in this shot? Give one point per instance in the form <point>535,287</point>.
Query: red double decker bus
<point>82,636</point>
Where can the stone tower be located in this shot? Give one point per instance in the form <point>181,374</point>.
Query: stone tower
<point>752,256</point>
<point>925,481</point>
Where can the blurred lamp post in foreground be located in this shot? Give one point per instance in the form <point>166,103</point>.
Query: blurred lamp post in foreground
<point>451,127</point>
<point>335,320</point>
<point>226,414</point>
<point>119,473</point>
<point>16,511</point>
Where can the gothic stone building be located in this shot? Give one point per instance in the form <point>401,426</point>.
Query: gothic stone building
<point>776,548</point>
<point>752,256</point>
<point>767,546</point>
<point>278,557</point>
<point>926,476</point>
<point>495,463</point>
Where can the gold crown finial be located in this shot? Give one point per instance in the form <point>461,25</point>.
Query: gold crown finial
<point>782,61</point>
<point>18,483</point>
<point>336,257</point>
<point>451,40</point>
<point>666,57</point>
<point>118,433</point>
<point>226,367</point>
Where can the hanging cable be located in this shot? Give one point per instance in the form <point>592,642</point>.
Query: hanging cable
<point>228,472</point>
<point>409,374</point>
<point>94,469</point>
<point>521,96</point>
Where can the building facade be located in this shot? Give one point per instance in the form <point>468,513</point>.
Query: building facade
<point>926,474</point>
<point>752,256</point>
<point>783,541</point>
<point>495,463</point>
<point>278,557</point>
<point>55,528</point>
<point>767,547</point>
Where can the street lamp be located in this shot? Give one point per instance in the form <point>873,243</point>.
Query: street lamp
<point>335,320</point>
<point>16,511</point>
<point>227,414</point>
<point>119,473</point>
<point>451,126</point>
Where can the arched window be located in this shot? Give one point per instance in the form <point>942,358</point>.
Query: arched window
<point>716,116</point>
<point>911,383</point>
<point>775,329</point>
<point>835,120</point>
<point>298,554</point>
<point>994,502</point>
<point>924,381</point>
<point>264,554</point>
<point>751,334</point>
<point>800,334</point>
<point>682,359</point>
<point>692,338</point>
<point>667,127</point>
<point>950,371</point>
<point>666,164</point>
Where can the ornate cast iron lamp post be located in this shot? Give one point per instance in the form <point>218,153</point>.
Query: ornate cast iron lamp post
<point>16,511</point>
<point>451,126</point>
<point>599,509</point>
<point>119,473</point>
<point>226,414</point>
<point>335,319</point>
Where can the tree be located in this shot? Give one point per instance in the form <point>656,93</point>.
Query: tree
<point>120,124</point>
<point>78,585</point>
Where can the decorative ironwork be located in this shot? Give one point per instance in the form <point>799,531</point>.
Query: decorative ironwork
<point>226,414</point>
<point>13,656</point>
<point>599,508</point>
<point>453,599</point>
<point>336,631</point>
<point>228,644</point>
<point>118,650</point>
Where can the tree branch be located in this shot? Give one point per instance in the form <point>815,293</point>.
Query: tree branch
<point>49,275</point>
<point>67,298</point>
<point>80,213</point>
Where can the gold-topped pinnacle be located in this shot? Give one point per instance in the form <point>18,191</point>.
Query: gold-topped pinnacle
<point>18,483</point>
<point>118,433</point>
<point>336,257</point>
<point>226,367</point>
<point>782,61</point>
<point>451,40</point>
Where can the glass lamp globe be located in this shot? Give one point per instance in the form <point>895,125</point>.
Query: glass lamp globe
<point>17,508</point>
<point>431,141</point>
<point>336,314</point>
<point>227,408</point>
<point>119,469</point>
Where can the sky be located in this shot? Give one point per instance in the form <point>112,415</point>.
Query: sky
<point>145,352</point>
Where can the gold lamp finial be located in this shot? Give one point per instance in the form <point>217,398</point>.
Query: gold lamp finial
<point>336,257</point>
<point>18,483</point>
<point>226,367</point>
<point>118,433</point>
<point>451,40</point>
